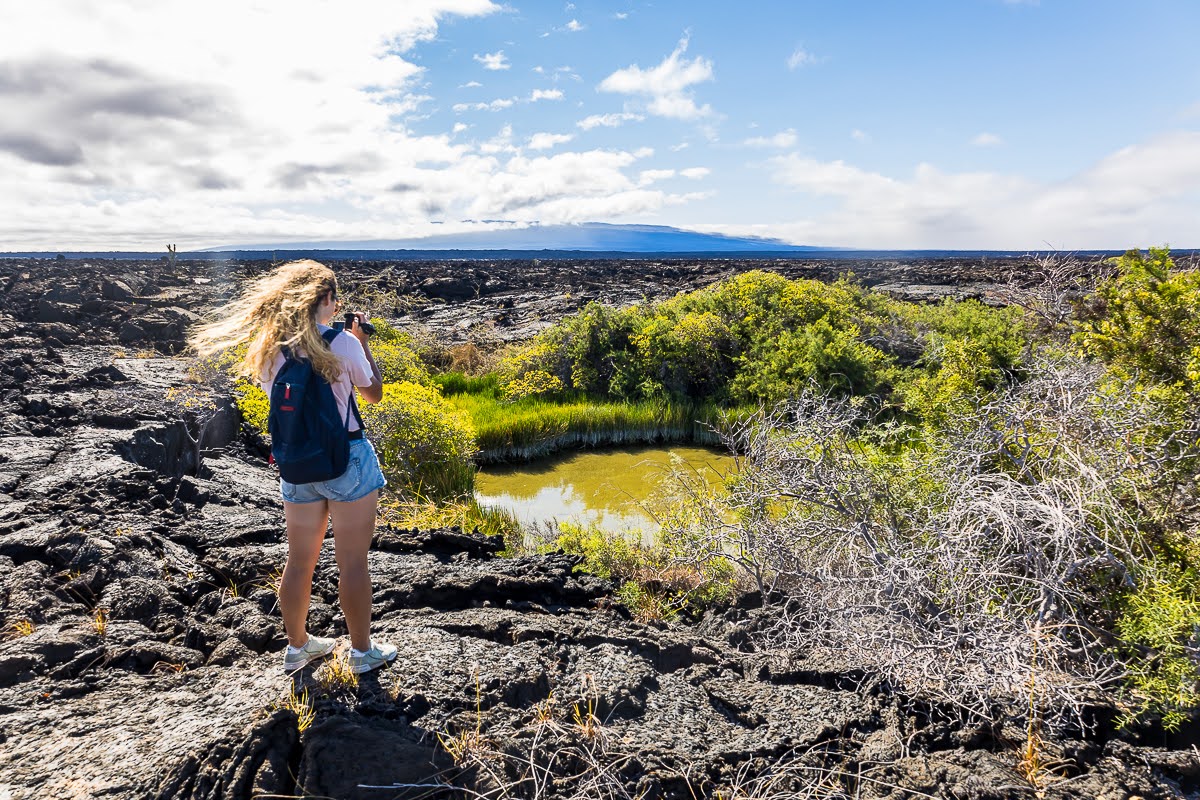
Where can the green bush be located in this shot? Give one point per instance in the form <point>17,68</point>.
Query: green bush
<point>759,337</point>
<point>833,359</point>
<point>425,445</point>
<point>956,388</point>
<point>689,355</point>
<point>395,355</point>
<point>1145,321</point>
<point>1159,623</point>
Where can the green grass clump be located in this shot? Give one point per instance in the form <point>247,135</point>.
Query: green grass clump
<point>533,427</point>
<point>651,582</point>
<point>455,383</point>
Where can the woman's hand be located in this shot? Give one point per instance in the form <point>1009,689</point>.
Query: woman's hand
<point>373,393</point>
<point>357,330</point>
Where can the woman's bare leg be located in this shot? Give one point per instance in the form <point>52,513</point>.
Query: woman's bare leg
<point>353,527</point>
<point>306,524</point>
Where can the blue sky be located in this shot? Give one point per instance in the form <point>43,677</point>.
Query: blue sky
<point>949,124</point>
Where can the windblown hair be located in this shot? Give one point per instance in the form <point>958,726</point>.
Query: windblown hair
<point>277,309</point>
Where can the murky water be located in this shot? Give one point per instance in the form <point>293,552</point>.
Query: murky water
<point>609,487</point>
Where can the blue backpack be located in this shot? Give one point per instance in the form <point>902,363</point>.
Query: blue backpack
<point>309,440</point>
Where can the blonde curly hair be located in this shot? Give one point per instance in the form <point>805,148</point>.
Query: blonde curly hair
<point>275,310</point>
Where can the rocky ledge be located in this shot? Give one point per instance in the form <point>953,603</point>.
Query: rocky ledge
<point>141,640</point>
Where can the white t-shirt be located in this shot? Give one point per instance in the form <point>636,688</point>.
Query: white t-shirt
<point>356,371</point>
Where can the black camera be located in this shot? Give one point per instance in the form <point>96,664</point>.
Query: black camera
<point>348,324</point>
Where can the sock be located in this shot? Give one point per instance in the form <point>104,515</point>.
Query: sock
<point>360,653</point>
<point>294,650</point>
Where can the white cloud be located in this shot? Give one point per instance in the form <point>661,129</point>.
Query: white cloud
<point>860,136</point>
<point>264,133</point>
<point>499,104</point>
<point>800,58</point>
<point>987,140</point>
<point>675,148</point>
<point>620,15</point>
<point>574,25</point>
<point>695,173</point>
<point>545,141</point>
<point>470,85</point>
<point>545,94</point>
<point>649,176</point>
<point>108,138</point>
<point>493,61</point>
<point>500,143</point>
<point>666,85</point>
<point>608,120</point>
<point>782,139</point>
<point>1138,196</point>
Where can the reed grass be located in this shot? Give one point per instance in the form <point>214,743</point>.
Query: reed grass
<point>453,383</point>
<point>532,428</point>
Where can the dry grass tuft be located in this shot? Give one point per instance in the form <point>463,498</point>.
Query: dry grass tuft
<point>100,621</point>
<point>20,628</point>
<point>300,705</point>
<point>167,668</point>
<point>335,673</point>
<point>468,746</point>
<point>272,581</point>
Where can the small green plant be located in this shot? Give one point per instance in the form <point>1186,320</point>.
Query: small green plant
<point>650,582</point>
<point>253,404</point>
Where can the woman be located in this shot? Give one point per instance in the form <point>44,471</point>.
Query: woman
<point>293,306</point>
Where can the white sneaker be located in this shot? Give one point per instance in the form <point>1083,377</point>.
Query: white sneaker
<point>313,649</point>
<point>376,657</point>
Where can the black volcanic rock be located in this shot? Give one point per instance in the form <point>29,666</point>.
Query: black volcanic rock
<point>143,581</point>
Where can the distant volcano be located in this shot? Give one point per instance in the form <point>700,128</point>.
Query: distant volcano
<point>587,236</point>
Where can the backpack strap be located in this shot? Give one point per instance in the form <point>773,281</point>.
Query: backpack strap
<point>329,336</point>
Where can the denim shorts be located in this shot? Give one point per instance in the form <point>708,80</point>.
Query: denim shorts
<point>362,476</point>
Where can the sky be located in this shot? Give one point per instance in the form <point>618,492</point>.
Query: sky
<point>943,124</point>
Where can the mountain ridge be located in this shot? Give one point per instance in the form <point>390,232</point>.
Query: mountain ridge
<point>584,237</point>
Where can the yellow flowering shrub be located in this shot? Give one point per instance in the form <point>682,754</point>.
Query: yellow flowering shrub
<point>534,383</point>
<point>425,445</point>
<point>253,404</point>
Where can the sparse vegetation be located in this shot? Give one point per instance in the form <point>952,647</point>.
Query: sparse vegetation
<point>20,628</point>
<point>974,502</point>
<point>298,704</point>
<point>1034,522</point>
<point>335,673</point>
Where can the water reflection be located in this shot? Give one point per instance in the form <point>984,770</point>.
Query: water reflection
<point>609,488</point>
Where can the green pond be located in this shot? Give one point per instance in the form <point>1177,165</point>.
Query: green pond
<point>606,487</point>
